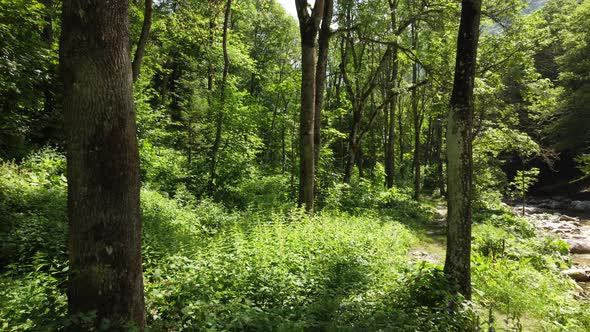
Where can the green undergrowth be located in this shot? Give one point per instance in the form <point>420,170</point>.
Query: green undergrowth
<point>209,268</point>
<point>516,274</point>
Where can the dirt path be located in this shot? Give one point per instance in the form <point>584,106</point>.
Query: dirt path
<point>432,244</point>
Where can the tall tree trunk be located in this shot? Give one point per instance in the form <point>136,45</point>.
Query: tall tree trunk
<point>353,143</point>
<point>400,134</point>
<point>308,25</point>
<point>143,39</point>
<point>47,84</point>
<point>428,148</point>
<point>221,111</point>
<point>439,157</point>
<point>102,164</point>
<point>390,143</point>
<point>320,79</point>
<point>459,151</point>
<point>416,117</point>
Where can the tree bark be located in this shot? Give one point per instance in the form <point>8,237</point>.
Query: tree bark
<point>102,164</point>
<point>459,152</point>
<point>308,26</point>
<point>390,143</point>
<point>439,157</point>
<point>400,134</point>
<point>416,117</point>
<point>143,39</point>
<point>320,79</point>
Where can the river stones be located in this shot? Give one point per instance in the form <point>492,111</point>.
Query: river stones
<point>580,205</point>
<point>579,247</point>
<point>579,275</point>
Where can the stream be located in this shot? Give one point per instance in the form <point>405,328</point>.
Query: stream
<point>570,220</point>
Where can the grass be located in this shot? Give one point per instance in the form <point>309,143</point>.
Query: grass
<point>347,269</point>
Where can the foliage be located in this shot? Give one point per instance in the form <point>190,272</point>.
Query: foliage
<point>516,273</point>
<point>32,208</point>
<point>207,268</point>
<point>27,69</point>
<point>583,162</point>
<point>523,181</point>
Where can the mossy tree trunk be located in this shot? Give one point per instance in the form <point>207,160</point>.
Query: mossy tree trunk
<point>459,152</point>
<point>103,164</point>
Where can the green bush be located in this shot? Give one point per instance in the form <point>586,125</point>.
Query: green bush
<point>260,193</point>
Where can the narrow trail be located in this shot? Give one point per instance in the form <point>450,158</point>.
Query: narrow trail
<point>432,244</point>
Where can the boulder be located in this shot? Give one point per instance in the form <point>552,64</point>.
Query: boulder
<point>580,205</point>
<point>579,275</point>
<point>551,204</point>
<point>579,247</point>
<point>567,218</point>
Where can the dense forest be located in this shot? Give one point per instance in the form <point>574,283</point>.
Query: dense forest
<point>356,165</point>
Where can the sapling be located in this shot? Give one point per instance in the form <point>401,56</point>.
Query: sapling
<point>523,180</point>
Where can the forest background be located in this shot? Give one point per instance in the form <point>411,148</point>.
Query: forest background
<point>218,102</point>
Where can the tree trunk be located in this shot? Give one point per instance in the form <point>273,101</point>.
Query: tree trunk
<point>459,152</point>
<point>416,114</point>
<point>221,111</point>
<point>353,143</point>
<point>390,143</point>
<point>320,79</point>
<point>439,157</point>
<point>306,124</point>
<point>47,83</point>
<point>400,134</point>
<point>143,39</point>
<point>102,164</point>
<point>308,25</point>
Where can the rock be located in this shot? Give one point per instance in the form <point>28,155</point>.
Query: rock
<point>580,275</point>
<point>579,247</point>
<point>580,205</point>
<point>550,204</point>
<point>567,218</point>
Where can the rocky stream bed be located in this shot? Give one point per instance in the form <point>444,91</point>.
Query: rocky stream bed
<point>570,220</point>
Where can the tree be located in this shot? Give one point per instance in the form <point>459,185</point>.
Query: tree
<point>220,114</point>
<point>459,151</point>
<point>103,164</point>
<point>308,26</point>
<point>143,39</point>
<point>320,78</point>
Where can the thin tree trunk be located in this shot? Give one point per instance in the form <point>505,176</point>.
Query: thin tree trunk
<point>360,162</point>
<point>47,85</point>
<point>352,143</point>
<point>390,144</point>
<point>416,115</point>
<point>221,111</point>
<point>428,148</point>
<point>320,79</point>
<point>440,157</point>
<point>400,134</point>
<point>103,164</point>
<point>459,152</point>
<point>143,39</point>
